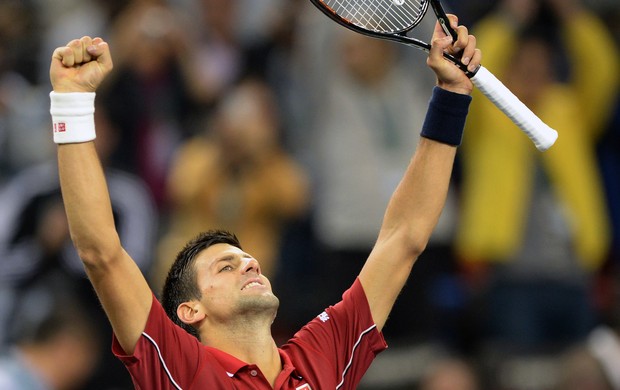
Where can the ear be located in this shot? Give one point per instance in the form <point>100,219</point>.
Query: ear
<point>190,313</point>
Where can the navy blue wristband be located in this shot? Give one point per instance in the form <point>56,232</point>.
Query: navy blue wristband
<point>445,118</point>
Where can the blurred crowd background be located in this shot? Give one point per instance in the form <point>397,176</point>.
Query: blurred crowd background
<point>265,118</point>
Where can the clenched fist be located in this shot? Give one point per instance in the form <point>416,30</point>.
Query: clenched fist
<point>81,65</point>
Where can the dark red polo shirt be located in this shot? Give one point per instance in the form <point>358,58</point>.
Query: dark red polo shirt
<point>333,351</point>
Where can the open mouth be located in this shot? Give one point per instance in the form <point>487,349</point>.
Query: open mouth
<point>251,285</point>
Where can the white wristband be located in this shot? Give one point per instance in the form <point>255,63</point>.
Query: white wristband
<point>73,116</point>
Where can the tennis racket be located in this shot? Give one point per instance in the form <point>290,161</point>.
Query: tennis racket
<point>393,19</point>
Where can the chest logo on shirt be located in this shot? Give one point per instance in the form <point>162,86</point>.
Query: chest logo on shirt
<point>323,317</point>
<point>304,387</point>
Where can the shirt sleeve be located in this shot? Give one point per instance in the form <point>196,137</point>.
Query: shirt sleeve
<point>343,338</point>
<point>165,357</point>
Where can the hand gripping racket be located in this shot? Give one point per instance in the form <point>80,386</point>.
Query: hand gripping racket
<point>393,19</point>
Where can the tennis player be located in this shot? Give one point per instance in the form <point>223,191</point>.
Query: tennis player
<point>213,327</point>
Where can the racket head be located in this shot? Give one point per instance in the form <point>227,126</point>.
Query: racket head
<point>375,17</point>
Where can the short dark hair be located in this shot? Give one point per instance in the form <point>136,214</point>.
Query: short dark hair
<point>181,284</point>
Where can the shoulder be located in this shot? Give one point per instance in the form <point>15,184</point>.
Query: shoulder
<point>164,353</point>
<point>345,325</point>
<point>339,344</point>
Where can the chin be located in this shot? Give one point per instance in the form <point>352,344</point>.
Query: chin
<point>263,303</point>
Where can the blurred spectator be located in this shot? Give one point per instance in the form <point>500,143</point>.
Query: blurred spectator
<point>235,39</point>
<point>604,345</point>
<point>63,20</point>
<point>450,374</point>
<point>609,159</point>
<point>159,104</point>
<point>609,146</point>
<point>273,58</point>
<point>534,227</point>
<point>22,113</point>
<point>236,176</point>
<point>469,12</point>
<point>53,344</point>
<point>23,106</point>
<point>216,58</point>
<point>579,369</point>
<point>20,35</point>
<point>34,236</point>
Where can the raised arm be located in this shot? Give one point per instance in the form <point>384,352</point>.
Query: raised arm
<point>415,206</point>
<point>76,71</point>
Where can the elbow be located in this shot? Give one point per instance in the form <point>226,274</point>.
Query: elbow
<point>412,243</point>
<point>98,253</point>
<point>416,240</point>
<point>415,246</point>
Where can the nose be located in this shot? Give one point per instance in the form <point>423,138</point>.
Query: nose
<point>250,264</point>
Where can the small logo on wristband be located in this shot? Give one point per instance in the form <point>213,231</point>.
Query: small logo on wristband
<point>60,127</point>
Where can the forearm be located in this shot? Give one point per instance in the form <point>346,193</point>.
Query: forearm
<point>417,203</point>
<point>87,203</point>
<point>410,218</point>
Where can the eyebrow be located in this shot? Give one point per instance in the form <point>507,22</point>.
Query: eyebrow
<point>228,258</point>
<point>222,259</point>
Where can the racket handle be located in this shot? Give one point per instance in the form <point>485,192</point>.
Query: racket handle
<point>542,135</point>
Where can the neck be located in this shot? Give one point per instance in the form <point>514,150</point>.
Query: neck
<point>248,341</point>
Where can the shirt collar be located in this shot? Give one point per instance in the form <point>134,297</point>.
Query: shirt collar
<point>232,365</point>
<point>287,364</point>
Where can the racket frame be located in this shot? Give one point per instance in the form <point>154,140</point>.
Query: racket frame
<point>400,35</point>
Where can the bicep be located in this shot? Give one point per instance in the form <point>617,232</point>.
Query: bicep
<point>125,296</point>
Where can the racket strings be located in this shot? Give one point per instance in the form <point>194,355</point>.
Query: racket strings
<point>361,13</point>
<point>392,17</point>
<point>385,16</point>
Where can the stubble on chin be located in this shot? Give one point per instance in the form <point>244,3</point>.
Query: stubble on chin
<point>266,303</point>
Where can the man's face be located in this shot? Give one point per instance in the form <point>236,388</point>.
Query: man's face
<point>232,285</point>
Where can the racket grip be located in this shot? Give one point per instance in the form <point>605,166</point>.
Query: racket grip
<point>542,135</point>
